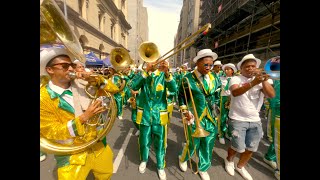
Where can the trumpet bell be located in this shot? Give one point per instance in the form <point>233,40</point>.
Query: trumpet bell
<point>272,68</point>
<point>148,52</point>
<point>54,28</point>
<point>120,59</point>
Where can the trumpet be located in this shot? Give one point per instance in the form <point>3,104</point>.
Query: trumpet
<point>149,52</point>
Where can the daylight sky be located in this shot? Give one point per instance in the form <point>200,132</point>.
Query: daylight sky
<point>163,21</point>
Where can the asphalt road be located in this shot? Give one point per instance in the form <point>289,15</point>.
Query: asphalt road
<point>126,157</point>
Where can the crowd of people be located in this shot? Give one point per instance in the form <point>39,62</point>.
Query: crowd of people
<point>223,101</point>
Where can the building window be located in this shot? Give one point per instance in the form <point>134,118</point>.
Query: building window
<point>112,29</point>
<point>87,8</point>
<point>80,7</point>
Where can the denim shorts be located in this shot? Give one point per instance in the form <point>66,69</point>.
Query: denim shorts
<point>245,135</point>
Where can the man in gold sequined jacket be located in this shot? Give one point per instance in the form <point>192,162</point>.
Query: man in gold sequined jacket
<point>64,109</point>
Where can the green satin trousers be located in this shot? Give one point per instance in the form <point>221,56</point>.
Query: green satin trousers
<point>157,135</point>
<point>204,145</point>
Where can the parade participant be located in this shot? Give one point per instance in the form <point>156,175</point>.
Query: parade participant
<point>79,66</point>
<point>64,108</point>
<point>229,70</point>
<point>203,85</point>
<point>152,114</point>
<point>271,157</point>
<point>247,93</point>
<point>217,68</point>
<point>119,96</point>
<point>176,77</point>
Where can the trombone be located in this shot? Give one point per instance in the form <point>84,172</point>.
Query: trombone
<point>149,52</point>
<point>199,132</point>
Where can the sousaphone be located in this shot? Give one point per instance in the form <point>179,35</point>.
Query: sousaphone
<point>55,29</point>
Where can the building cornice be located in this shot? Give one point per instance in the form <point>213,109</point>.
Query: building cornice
<point>109,4</point>
<point>82,23</point>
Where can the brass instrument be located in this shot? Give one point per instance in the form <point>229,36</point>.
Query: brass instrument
<point>271,68</point>
<point>149,52</point>
<point>54,28</point>
<point>120,59</point>
<point>199,132</point>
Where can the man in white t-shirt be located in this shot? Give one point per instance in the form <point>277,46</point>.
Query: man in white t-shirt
<point>247,93</point>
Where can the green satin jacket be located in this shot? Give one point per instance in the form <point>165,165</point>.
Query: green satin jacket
<point>203,99</point>
<point>152,107</point>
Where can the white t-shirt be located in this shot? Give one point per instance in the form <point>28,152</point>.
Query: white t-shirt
<point>246,107</point>
<point>224,81</point>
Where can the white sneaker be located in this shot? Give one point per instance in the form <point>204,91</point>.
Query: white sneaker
<point>142,167</point>
<point>277,174</point>
<point>183,165</point>
<point>244,173</point>
<point>270,163</point>
<point>204,175</point>
<point>120,117</point>
<point>43,157</point>
<point>229,166</point>
<point>162,174</point>
<point>221,141</point>
<point>137,133</point>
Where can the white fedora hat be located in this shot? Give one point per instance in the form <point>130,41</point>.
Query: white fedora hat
<point>217,63</point>
<point>204,53</point>
<point>49,53</point>
<point>231,66</point>
<point>247,57</point>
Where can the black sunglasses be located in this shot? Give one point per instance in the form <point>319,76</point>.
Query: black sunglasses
<point>66,66</point>
<point>208,65</point>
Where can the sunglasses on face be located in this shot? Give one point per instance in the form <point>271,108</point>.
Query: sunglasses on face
<point>208,65</point>
<point>65,66</point>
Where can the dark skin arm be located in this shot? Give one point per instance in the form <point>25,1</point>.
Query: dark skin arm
<point>267,88</point>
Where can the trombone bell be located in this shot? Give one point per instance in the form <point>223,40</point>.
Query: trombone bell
<point>120,58</point>
<point>200,132</point>
<point>148,52</point>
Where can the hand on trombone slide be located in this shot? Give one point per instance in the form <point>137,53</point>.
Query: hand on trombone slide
<point>188,116</point>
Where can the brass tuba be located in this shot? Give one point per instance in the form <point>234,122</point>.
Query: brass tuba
<point>55,29</point>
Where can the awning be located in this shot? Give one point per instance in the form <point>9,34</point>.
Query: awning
<point>93,60</point>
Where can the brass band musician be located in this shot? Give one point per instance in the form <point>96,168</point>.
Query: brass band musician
<point>64,109</point>
<point>203,85</point>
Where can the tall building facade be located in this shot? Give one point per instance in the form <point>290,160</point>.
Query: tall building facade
<point>100,25</point>
<point>139,32</point>
<point>189,23</point>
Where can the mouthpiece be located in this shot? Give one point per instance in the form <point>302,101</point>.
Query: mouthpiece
<point>72,75</point>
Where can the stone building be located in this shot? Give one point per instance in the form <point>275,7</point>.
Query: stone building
<point>189,23</point>
<point>138,20</point>
<point>100,25</point>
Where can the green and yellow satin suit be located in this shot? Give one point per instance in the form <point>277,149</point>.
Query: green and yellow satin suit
<point>204,98</point>
<point>152,113</point>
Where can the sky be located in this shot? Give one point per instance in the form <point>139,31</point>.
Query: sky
<point>163,21</point>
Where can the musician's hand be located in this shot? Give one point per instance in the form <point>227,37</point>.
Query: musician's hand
<point>188,116</point>
<point>259,78</point>
<point>92,110</point>
<point>150,67</point>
